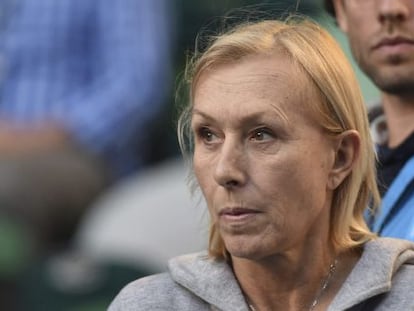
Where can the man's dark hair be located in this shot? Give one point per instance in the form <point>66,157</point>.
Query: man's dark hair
<point>329,7</point>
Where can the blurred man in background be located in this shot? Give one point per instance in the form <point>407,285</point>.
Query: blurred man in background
<point>81,83</point>
<point>381,37</point>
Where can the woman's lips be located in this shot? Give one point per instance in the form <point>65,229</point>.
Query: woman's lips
<point>237,213</point>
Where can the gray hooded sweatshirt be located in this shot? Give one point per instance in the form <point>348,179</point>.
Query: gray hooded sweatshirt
<point>382,279</point>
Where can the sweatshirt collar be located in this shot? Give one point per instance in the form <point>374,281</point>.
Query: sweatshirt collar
<point>214,282</point>
<point>373,273</point>
<point>211,280</point>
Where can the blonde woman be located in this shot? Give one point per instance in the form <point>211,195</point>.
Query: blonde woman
<point>281,151</point>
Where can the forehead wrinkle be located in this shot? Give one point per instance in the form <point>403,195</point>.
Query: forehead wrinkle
<point>255,79</point>
<point>257,88</point>
<point>265,83</point>
<point>251,118</point>
<point>255,85</point>
<point>280,113</point>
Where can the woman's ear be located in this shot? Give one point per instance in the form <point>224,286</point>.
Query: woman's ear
<point>348,145</point>
<point>340,14</point>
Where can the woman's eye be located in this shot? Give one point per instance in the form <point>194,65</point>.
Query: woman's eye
<point>206,134</point>
<point>261,135</point>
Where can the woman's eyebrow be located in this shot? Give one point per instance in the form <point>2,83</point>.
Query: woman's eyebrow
<point>260,116</point>
<point>201,113</point>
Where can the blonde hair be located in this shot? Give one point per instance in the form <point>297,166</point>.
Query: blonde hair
<point>317,54</point>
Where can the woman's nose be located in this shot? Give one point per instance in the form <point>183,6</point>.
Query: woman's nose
<point>230,169</point>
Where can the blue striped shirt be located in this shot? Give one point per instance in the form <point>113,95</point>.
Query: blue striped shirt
<point>97,67</point>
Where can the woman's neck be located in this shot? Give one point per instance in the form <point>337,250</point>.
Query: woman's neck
<point>286,282</point>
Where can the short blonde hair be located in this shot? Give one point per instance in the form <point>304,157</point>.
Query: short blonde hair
<point>317,54</point>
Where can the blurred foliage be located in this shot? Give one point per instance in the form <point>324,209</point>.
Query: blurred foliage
<point>14,248</point>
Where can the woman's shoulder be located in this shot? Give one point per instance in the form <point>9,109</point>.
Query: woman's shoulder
<point>149,283</point>
<point>402,289</point>
<point>144,293</point>
<point>160,291</point>
<point>398,294</point>
<point>390,257</point>
<point>381,278</point>
<point>389,275</point>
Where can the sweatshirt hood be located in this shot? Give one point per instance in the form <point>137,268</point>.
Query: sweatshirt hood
<point>373,274</point>
<point>214,282</point>
<point>211,280</point>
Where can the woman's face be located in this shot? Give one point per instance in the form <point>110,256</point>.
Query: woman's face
<point>262,162</point>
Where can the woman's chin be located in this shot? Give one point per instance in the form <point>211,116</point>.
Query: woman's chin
<point>246,249</point>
